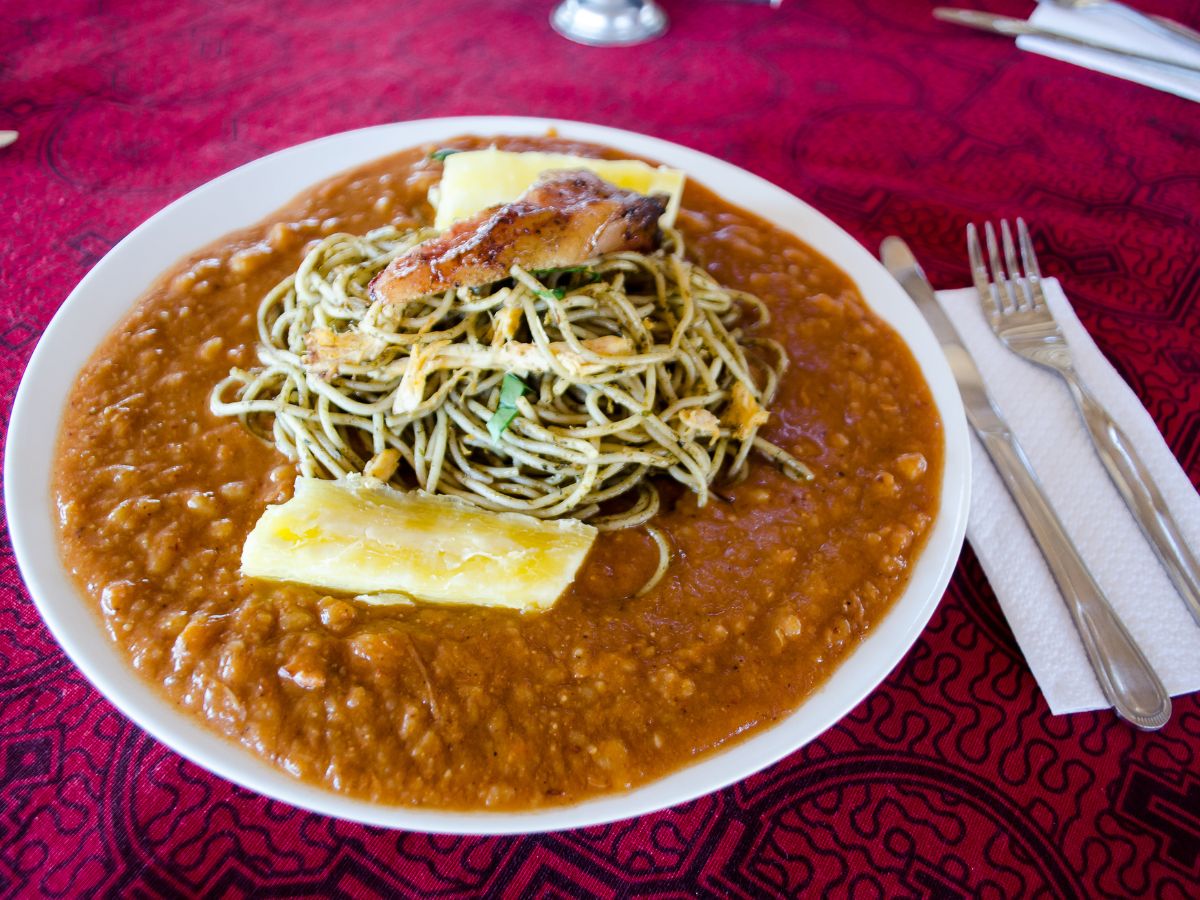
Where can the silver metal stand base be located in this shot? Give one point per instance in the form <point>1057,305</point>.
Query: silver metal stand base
<point>609,23</point>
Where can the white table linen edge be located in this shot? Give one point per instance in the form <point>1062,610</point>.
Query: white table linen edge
<point>1109,27</point>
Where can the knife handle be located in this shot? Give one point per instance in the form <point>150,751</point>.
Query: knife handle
<point>1141,495</point>
<point>1125,676</point>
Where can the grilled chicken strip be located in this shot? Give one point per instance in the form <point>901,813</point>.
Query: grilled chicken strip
<point>565,218</point>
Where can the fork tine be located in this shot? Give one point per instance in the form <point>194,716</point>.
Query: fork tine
<point>1033,274</point>
<point>1004,299</point>
<point>1020,290</point>
<point>979,272</point>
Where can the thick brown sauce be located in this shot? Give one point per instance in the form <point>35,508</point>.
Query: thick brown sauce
<point>770,588</point>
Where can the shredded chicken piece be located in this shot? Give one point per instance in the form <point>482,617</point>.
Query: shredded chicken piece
<point>506,324</point>
<point>421,363</point>
<point>567,217</point>
<point>700,421</point>
<point>514,356</point>
<point>327,350</point>
<point>744,413</point>
<point>383,465</point>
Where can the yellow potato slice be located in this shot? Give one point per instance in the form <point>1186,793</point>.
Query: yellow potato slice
<point>362,537</point>
<point>475,180</point>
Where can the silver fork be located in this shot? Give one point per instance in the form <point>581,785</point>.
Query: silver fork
<point>1015,307</point>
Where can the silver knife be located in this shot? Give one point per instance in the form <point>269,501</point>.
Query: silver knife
<point>1125,676</point>
<point>1017,27</point>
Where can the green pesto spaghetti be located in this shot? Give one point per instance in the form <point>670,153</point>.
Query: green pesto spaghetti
<point>554,393</point>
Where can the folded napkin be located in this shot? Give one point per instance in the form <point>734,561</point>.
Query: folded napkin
<point>1109,27</point>
<point>1038,407</point>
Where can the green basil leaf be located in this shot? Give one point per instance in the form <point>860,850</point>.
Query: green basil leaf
<point>440,155</point>
<point>511,389</point>
<point>500,421</point>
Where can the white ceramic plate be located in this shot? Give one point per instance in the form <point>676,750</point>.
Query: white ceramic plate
<point>248,194</point>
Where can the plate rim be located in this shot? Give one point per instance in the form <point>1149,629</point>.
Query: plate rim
<point>44,573</point>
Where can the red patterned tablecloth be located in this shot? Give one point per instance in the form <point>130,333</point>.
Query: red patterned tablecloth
<point>951,779</point>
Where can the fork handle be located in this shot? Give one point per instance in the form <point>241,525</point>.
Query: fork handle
<point>1124,674</point>
<point>1141,495</point>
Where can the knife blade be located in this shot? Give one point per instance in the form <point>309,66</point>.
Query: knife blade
<point>1125,676</point>
<point>899,260</point>
<point>1012,27</point>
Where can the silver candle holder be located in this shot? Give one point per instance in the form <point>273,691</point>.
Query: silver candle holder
<point>609,23</point>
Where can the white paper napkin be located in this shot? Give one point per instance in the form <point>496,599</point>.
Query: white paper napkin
<point>1038,407</point>
<point>1109,27</point>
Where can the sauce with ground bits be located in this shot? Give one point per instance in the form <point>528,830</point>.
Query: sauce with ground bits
<point>771,584</point>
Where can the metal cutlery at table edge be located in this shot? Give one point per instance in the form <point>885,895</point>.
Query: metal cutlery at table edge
<point>1125,676</point>
<point>1013,27</point>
